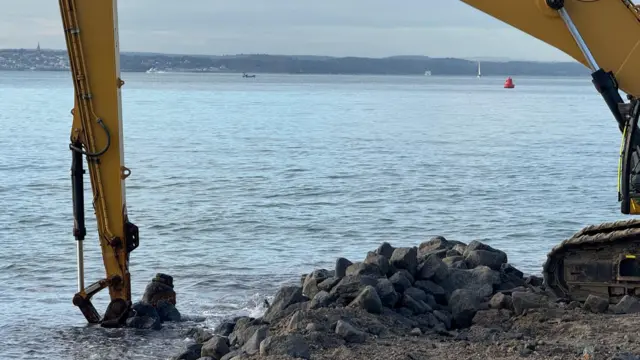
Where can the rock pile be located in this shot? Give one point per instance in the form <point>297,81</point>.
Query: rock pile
<point>416,300</point>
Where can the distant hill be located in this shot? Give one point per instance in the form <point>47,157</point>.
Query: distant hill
<point>28,59</point>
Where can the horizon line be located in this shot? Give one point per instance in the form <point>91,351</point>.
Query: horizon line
<point>470,58</point>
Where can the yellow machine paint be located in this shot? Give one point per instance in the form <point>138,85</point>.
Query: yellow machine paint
<point>609,28</point>
<point>91,34</point>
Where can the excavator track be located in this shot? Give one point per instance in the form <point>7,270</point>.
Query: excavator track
<point>602,260</point>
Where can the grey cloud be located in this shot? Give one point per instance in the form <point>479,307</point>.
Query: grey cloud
<point>329,27</point>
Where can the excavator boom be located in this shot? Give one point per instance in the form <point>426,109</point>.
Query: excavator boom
<point>91,34</point>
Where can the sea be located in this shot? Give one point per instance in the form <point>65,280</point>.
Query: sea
<point>239,185</point>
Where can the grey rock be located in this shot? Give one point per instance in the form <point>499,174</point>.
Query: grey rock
<point>492,259</point>
<point>416,293</point>
<point>341,267</point>
<point>368,300</point>
<point>501,301</point>
<point>479,280</point>
<point>534,280</point>
<point>349,287</point>
<point>167,311</point>
<point>450,260</point>
<point>386,250</point>
<point>233,354</point>
<point>378,260</point>
<point>433,268</point>
<point>252,346</point>
<point>310,287</point>
<point>627,305</point>
<point>444,317</point>
<point>440,254</point>
<point>225,328</point>
<point>464,305</point>
<point>404,312</point>
<point>361,268</point>
<point>452,252</point>
<point>216,347</point>
<point>434,289</point>
<point>415,332</point>
<point>417,307</point>
<point>508,269</point>
<point>349,333</point>
<point>527,300</point>
<point>435,243</point>
<point>625,356</point>
<point>406,274</point>
<point>296,322</point>
<point>200,335</point>
<point>292,345</point>
<point>286,296</point>
<point>400,282</point>
<point>596,304</point>
<point>322,299</point>
<point>191,353</point>
<point>387,293</point>
<point>477,245</point>
<point>314,327</point>
<point>405,258</point>
<point>460,248</point>
<point>144,322</point>
<point>328,284</point>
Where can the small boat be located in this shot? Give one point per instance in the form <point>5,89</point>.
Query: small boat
<point>245,75</point>
<point>508,84</point>
<point>479,73</point>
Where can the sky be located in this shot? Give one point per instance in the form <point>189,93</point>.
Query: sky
<point>371,28</point>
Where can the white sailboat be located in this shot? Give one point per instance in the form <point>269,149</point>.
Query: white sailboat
<point>479,73</point>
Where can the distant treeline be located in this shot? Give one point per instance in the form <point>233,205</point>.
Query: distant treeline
<point>260,63</point>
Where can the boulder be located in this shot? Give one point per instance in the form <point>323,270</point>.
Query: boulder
<point>480,280</point>
<point>527,300</point>
<point>252,345</point>
<point>596,304</point>
<point>291,345</point>
<point>349,333</point>
<point>216,347</point>
<point>501,301</point>
<point>464,305</point>
<point>492,259</point>
<point>405,258</point>
<point>341,267</point>
<point>380,261</point>
<point>368,300</point>
<point>363,268</point>
<point>400,282</point>
<point>286,296</point>
<point>433,269</point>
<point>433,289</point>
<point>387,293</point>
<point>385,249</point>
<point>192,352</point>
<point>627,305</point>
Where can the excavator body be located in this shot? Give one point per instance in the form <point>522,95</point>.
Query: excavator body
<point>603,35</point>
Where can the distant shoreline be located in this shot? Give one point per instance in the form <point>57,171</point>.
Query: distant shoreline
<point>56,60</point>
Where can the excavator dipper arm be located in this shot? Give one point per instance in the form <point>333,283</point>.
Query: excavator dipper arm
<point>91,34</point>
<point>603,35</point>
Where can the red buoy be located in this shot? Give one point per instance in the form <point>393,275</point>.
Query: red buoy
<point>508,84</point>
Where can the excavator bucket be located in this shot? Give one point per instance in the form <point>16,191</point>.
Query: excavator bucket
<point>609,28</point>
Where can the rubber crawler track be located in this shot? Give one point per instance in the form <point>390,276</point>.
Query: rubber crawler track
<point>590,237</point>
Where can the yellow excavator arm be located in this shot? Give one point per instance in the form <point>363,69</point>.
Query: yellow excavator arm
<point>91,33</point>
